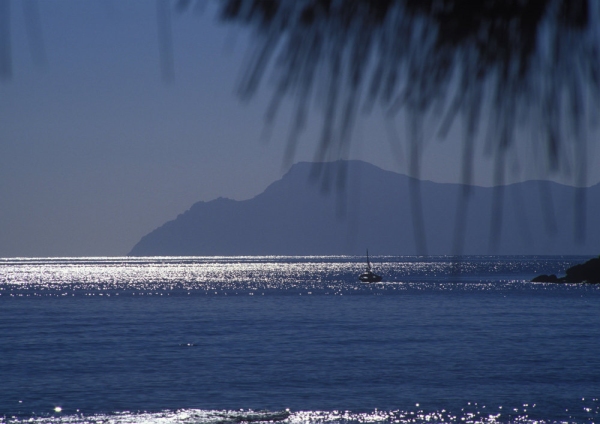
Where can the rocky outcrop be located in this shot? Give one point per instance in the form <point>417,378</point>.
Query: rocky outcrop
<point>544,278</point>
<point>588,272</point>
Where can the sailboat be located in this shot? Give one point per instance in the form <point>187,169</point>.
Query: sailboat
<point>369,276</point>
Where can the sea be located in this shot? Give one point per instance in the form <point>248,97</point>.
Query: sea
<point>252,339</point>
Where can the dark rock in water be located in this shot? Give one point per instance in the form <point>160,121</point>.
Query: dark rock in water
<point>545,279</point>
<point>588,272</point>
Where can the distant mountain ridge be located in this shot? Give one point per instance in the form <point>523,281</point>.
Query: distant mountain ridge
<point>297,216</point>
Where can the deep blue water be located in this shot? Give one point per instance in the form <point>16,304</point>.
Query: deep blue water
<point>214,340</point>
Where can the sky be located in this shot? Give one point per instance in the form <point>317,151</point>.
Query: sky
<point>97,149</point>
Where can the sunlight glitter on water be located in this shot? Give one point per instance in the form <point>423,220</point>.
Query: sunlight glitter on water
<point>249,274</point>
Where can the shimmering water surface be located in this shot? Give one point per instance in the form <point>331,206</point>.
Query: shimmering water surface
<point>296,339</point>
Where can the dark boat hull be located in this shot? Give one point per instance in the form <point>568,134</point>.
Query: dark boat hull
<point>369,277</point>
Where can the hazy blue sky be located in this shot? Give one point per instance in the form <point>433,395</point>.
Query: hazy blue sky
<point>96,150</point>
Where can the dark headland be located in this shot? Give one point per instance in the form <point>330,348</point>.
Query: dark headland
<point>588,272</point>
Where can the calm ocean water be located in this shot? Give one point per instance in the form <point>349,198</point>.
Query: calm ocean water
<point>296,340</point>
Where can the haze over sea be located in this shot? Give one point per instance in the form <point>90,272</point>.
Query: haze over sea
<point>296,339</point>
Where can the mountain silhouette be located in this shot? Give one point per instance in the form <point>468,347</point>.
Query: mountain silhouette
<point>339,208</point>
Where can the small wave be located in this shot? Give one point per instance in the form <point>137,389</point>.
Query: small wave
<point>183,416</point>
<point>197,416</point>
